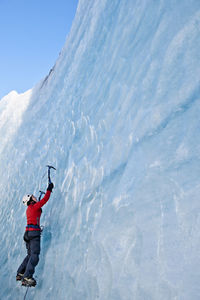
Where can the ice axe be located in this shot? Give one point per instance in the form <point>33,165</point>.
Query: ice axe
<point>49,171</point>
<point>41,193</point>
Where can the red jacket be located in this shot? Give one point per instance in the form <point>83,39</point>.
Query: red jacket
<point>33,212</point>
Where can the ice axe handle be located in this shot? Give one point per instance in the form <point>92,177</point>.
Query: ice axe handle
<point>41,193</point>
<point>49,175</point>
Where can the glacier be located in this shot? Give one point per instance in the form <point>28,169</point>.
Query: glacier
<point>119,117</point>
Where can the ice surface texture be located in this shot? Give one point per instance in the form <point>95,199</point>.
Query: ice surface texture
<point>119,117</point>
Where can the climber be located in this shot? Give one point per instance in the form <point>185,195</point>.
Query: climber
<point>32,237</point>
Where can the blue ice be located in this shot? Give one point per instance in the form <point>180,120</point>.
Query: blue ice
<point>119,117</point>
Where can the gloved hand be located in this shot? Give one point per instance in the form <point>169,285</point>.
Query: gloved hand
<point>50,187</point>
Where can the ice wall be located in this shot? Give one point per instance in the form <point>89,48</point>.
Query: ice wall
<point>118,116</point>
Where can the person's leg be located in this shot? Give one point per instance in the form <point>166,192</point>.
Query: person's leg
<point>34,254</point>
<point>23,265</point>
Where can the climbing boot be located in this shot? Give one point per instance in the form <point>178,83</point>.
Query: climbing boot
<point>29,281</point>
<point>19,276</point>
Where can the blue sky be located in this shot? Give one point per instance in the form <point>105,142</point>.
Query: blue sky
<point>32,33</point>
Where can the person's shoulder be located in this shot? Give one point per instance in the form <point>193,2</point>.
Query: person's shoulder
<point>37,205</point>
<point>32,206</point>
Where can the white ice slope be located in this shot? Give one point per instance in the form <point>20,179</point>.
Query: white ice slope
<point>118,116</point>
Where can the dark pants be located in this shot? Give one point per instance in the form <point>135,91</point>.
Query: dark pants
<point>32,239</point>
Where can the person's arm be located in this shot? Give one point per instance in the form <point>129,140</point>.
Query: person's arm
<point>45,198</point>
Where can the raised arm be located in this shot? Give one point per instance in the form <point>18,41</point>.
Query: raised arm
<point>45,198</point>
<point>43,201</point>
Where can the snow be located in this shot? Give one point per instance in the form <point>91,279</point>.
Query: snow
<point>118,116</point>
